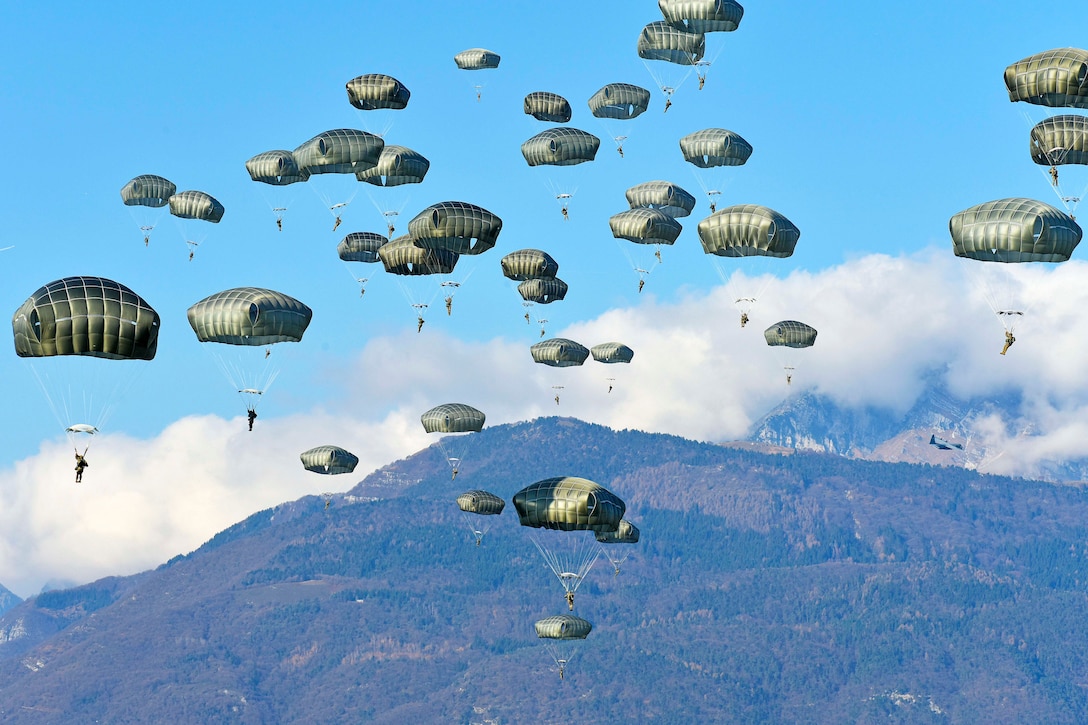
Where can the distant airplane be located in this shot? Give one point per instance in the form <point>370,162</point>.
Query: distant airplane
<point>944,445</point>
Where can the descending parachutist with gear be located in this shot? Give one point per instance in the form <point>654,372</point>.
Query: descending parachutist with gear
<point>641,284</point>
<point>419,323</point>
<point>81,463</point>
<point>570,600</point>
<point>279,223</point>
<point>657,253</point>
<point>743,319</point>
<point>449,305</point>
<point>252,417</point>
<point>336,224</point>
<point>527,322</point>
<point>557,399</point>
<point>1009,340</point>
<point>1054,175</point>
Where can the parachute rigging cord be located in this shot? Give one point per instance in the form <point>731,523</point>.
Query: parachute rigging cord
<point>570,555</point>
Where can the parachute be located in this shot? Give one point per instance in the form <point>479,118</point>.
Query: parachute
<point>715,147</point>
<point>542,291</point>
<point>329,460</point>
<point>397,165</point>
<point>145,196</point>
<point>477,504</point>
<point>664,42</point>
<point>619,101</point>
<point>242,320</point>
<point>560,634</point>
<point>559,352</point>
<point>454,418</point>
<point>644,226</point>
<point>612,352</point>
<point>409,262</point>
<point>702,16</point>
<point>276,169</point>
<point>374,91</point>
<point>625,533</point>
<point>338,151</point>
<point>545,106</point>
<point>73,328</point>
<point>789,334</point>
<point>663,196</point>
<point>360,247</point>
<point>455,226</point>
<point>525,264</point>
<point>1056,78</point>
<point>562,146</point>
<point>195,205</point>
<point>1058,141</point>
<point>476,59</point>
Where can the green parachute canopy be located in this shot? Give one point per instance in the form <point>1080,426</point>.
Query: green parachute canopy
<point>1056,78</point>
<point>374,91</point>
<point>545,106</point>
<point>401,256</point>
<point>748,230</point>
<point>661,41</point>
<point>148,190</point>
<point>612,352</point>
<point>397,165</point>
<point>563,626</point>
<point>453,418</point>
<point>524,264</point>
<point>559,352</point>
<point>476,59</point>
<point>196,205</point>
<point>480,502</point>
<point>620,101</point>
<point>249,316</point>
<point>1060,140</point>
<point>790,333</point>
<point>713,147</point>
<point>561,146</point>
<point>330,460</point>
<point>702,16</point>
<point>455,226</point>
<point>543,291</point>
<point>339,151</point>
<point>1014,230</point>
<point>91,316</point>
<point>643,225</point>
<point>568,503</point>
<point>625,533</point>
<point>276,168</point>
<point>361,247</point>
<point>663,196</point>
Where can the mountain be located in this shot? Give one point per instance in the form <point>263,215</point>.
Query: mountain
<point>765,588</point>
<point>7,599</point>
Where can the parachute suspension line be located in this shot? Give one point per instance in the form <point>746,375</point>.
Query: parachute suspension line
<point>571,562</point>
<point>389,213</point>
<point>477,524</point>
<point>669,80</point>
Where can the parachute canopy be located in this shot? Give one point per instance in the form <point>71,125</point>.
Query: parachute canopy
<point>715,147</point>
<point>480,502</point>
<point>661,41</point>
<point>401,256</point>
<point>543,290</point>
<point>277,168</point>
<point>329,460</point>
<point>396,165</point>
<point>568,503</point>
<point>373,91</point>
<point>563,626</point>
<point>148,190</point>
<point>625,533</point>
<point>1014,230</point>
<point>455,226</point>
<point>1057,78</point>
<point>748,230</point>
<point>663,196</point>
<point>558,352</point>
<point>562,146</point>
<point>91,316</point>
<point>790,333</point>
<point>1060,140</point>
<point>545,106</point>
<point>612,352</point>
<point>524,264</point>
<point>476,59</point>
<point>453,418</point>
<point>196,205</point>
<point>702,16</point>
<point>339,151</point>
<point>645,226</point>
<point>249,316</point>
<point>621,101</point>
<point>361,247</point>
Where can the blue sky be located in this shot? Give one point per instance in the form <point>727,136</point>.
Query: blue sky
<point>872,124</point>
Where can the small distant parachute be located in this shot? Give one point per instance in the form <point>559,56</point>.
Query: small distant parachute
<point>702,16</point>
<point>790,333</point>
<point>455,226</point>
<point>397,165</point>
<point>477,506</point>
<point>944,445</point>
<point>625,533</point>
<point>476,59</point>
<point>543,291</point>
<point>524,264</point>
<point>276,168</point>
<point>715,147</point>
<point>661,41</point>
<point>148,190</point>
<point>330,460</point>
<point>375,91</point>
<point>196,205</point>
<point>559,352</point>
<point>546,106</point>
<point>612,352</point>
<point>620,101</point>
<point>663,196</point>
<point>561,146</point>
<point>454,418</point>
<point>561,634</point>
<point>1014,230</point>
<point>1055,78</point>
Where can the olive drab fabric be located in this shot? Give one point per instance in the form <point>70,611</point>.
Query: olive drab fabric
<point>1014,230</point>
<point>621,101</point>
<point>1060,140</point>
<point>148,190</point>
<point>339,151</point>
<point>523,264</point>
<point>361,247</point>
<point>713,147</point>
<point>748,230</point>
<point>455,226</point>
<point>546,106</point>
<point>277,168</point>
<point>397,165</point>
<point>476,59</point>
<point>375,91</point>
<point>702,16</point>
<point>91,316</point>
<point>558,352</point>
<point>563,626</point>
<point>561,146</point>
<point>1056,78</point>
<point>543,290</point>
<point>249,316</point>
<point>569,503</point>
<point>401,256</point>
<point>453,418</point>
<point>661,41</point>
<point>790,333</point>
<point>663,196</point>
<point>625,533</point>
<point>645,226</point>
<point>484,503</point>
<point>612,352</point>
<point>196,205</point>
<point>329,460</point>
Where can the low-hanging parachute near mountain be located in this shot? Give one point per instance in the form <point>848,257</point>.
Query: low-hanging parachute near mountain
<point>456,421</point>
<point>789,335</point>
<point>625,533</point>
<point>145,196</point>
<point>752,234</point>
<point>561,634</point>
<point>374,91</point>
<point>360,247</point>
<point>1011,231</point>
<point>242,321</point>
<point>477,508</point>
<point>558,352</point>
<point>198,206</point>
<point>677,51</point>
<point>547,106</point>
<point>277,169</point>
<point>329,460</point>
<point>644,227</point>
<point>341,152</point>
<point>612,353</point>
<point>564,510</point>
<point>74,330</point>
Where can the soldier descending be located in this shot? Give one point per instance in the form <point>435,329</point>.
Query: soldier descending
<point>81,463</point>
